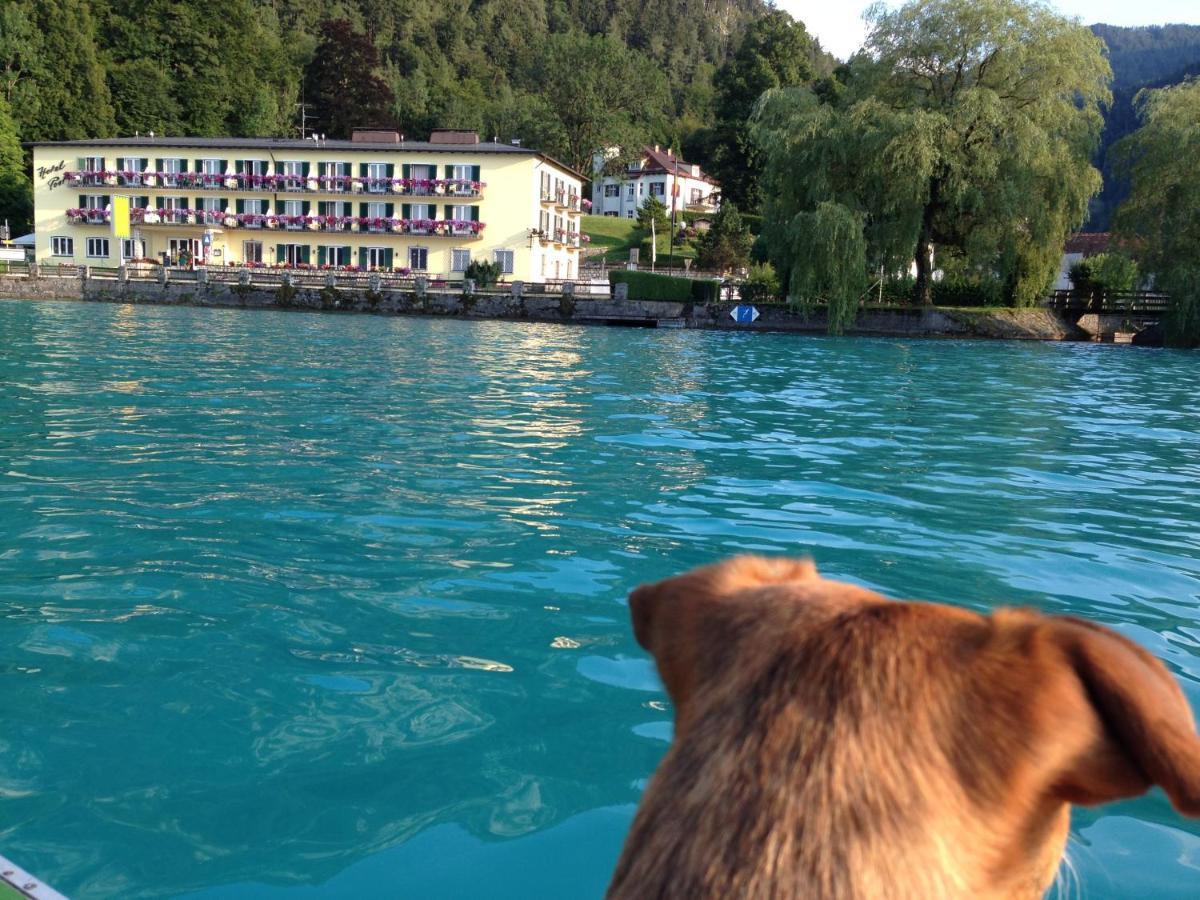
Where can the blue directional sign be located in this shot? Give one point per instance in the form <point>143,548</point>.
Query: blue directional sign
<point>743,314</point>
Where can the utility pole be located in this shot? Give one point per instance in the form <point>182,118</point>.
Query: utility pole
<point>303,113</point>
<point>674,192</point>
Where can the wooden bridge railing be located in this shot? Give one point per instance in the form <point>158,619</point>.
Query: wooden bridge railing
<point>1141,303</point>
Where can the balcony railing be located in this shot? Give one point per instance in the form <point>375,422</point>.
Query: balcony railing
<point>323,184</point>
<point>207,217</point>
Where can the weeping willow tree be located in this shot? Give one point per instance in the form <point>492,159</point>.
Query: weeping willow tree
<point>964,127</point>
<point>1160,215</point>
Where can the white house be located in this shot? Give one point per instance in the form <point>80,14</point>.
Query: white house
<point>656,173</point>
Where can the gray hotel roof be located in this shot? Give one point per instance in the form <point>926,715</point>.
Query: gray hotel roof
<point>232,143</point>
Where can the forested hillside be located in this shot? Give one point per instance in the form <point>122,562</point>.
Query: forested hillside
<point>1149,57</point>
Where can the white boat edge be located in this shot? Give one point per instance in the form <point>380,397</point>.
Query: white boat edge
<point>20,880</point>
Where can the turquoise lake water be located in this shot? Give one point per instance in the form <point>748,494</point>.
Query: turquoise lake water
<point>333,606</point>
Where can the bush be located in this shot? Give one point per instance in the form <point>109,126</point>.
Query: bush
<point>761,286</point>
<point>969,290</point>
<point>1104,273</point>
<point>651,286</point>
<point>484,273</point>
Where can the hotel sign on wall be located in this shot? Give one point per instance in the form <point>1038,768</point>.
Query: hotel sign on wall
<point>56,174</point>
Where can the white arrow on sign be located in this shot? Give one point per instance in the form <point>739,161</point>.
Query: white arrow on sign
<point>744,313</point>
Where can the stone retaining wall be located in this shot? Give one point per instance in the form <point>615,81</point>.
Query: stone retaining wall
<point>1026,324</point>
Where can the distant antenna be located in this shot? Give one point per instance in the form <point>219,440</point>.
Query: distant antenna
<point>303,113</point>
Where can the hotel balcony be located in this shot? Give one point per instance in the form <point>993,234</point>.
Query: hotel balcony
<point>355,224</point>
<point>456,188</point>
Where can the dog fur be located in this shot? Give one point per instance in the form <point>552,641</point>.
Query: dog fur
<point>832,743</point>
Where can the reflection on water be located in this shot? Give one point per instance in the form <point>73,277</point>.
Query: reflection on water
<point>323,605</point>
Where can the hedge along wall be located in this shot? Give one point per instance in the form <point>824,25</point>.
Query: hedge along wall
<point>652,286</point>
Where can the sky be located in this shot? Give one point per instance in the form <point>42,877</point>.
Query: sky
<point>839,26</point>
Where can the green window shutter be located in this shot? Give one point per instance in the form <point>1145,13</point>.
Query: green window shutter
<point>83,201</point>
<point>387,258</point>
<point>362,257</point>
<point>120,164</point>
<point>240,166</point>
<point>404,171</point>
<point>240,206</point>
<point>199,203</point>
<point>279,207</point>
<point>158,202</point>
<point>475,173</point>
<point>305,256</point>
<point>183,166</point>
<point>449,211</point>
<point>344,254</point>
<point>389,209</point>
<point>304,169</point>
<point>144,201</point>
<point>362,170</point>
<point>158,164</point>
<point>280,253</point>
<point>406,210</point>
<point>474,213</point>
<point>305,208</point>
<point>199,166</point>
<point>391,171</point>
<point>224,166</point>
<point>320,256</point>
<point>105,200</point>
<point>449,170</point>
<point>362,210</point>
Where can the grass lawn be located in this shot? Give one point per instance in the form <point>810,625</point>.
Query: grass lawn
<point>615,236</point>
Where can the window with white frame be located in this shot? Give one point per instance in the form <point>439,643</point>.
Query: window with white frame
<point>612,214</point>
<point>97,248</point>
<point>171,169</point>
<point>418,258</point>
<point>210,166</point>
<point>254,166</point>
<point>421,212</point>
<point>461,215</point>
<point>629,214</point>
<point>62,246</point>
<point>132,249</point>
<point>377,172</point>
<point>629,190</point>
<point>505,259</point>
<point>293,254</point>
<point>612,190</point>
<point>422,172</point>
<point>291,167</point>
<point>93,164</point>
<point>459,260</point>
<point>462,173</point>
<point>334,255</point>
<point>546,185</point>
<point>377,257</point>
<point>252,251</point>
<point>255,207</point>
<point>174,203</point>
<point>658,189</point>
<point>376,210</point>
<point>208,204</point>
<point>94,201</point>
<point>336,171</point>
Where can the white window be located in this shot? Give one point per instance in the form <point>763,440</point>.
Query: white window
<point>294,209</point>
<point>94,201</point>
<point>658,189</point>
<point>420,212</point>
<point>62,246</point>
<point>255,207</point>
<point>334,255</point>
<point>418,259</point>
<point>171,168</point>
<point>174,203</point>
<point>252,251</point>
<point>254,166</point>
<point>545,185</point>
<point>629,214</point>
<point>612,214</point>
<point>209,204</point>
<point>612,190</point>
<point>459,260</point>
<point>377,172</point>
<point>133,249</point>
<point>210,166</point>
<point>136,164</point>
<point>97,248</point>
<point>629,191</point>
<point>336,172</point>
<point>505,258</point>
<point>291,167</point>
<point>462,213</point>
<point>376,257</point>
<point>93,164</point>
<point>376,210</point>
<point>293,254</point>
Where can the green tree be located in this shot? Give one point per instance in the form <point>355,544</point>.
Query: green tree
<point>604,94</point>
<point>964,126</point>
<point>726,243</point>
<point>776,51</point>
<point>16,196</point>
<point>654,210</point>
<point>1160,212</point>
<point>143,98</point>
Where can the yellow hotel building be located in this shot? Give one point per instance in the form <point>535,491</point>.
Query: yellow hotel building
<point>375,202</point>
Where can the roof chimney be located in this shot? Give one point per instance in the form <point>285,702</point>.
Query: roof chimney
<point>373,136</point>
<point>451,136</point>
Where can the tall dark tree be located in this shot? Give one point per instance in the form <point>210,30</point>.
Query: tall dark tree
<point>16,197</point>
<point>777,51</point>
<point>342,84</point>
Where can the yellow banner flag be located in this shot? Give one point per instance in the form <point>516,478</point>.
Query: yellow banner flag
<point>120,217</point>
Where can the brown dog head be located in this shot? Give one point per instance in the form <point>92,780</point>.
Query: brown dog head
<point>833,743</point>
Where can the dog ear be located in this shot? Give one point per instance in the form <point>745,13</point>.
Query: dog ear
<point>689,623</point>
<point>1145,731</point>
